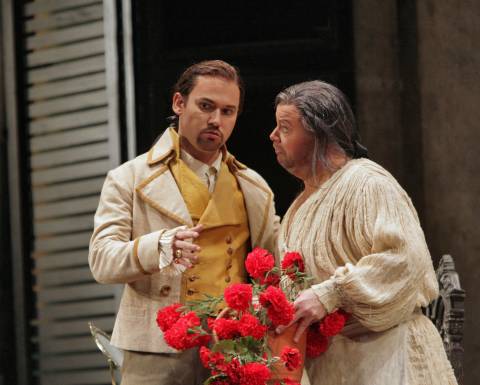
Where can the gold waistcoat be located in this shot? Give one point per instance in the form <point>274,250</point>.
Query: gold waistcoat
<point>224,240</point>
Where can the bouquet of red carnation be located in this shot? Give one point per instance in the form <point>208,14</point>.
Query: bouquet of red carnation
<point>236,344</point>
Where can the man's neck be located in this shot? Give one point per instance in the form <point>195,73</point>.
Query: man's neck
<point>313,182</point>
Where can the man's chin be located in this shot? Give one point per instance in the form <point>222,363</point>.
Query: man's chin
<point>210,145</point>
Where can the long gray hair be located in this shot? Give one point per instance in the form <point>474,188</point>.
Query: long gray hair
<point>326,113</point>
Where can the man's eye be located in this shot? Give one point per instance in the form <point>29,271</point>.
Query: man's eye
<point>205,106</point>
<point>228,111</point>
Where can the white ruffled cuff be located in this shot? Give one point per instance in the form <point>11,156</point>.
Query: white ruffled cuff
<point>165,248</point>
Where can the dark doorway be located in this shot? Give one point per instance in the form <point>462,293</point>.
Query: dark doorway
<point>274,43</point>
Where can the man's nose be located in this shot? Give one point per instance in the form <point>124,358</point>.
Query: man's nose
<point>215,118</point>
<point>274,134</point>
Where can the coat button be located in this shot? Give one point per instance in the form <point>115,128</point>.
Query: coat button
<point>165,290</point>
<point>192,278</point>
<point>229,251</point>
<point>191,292</point>
<point>228,239</point>
<point>227,279</point>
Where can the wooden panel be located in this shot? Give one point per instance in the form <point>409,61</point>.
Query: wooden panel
<point>65,35</point>
<point>68,121</point>
<point>68,138</point>
<point>62,19</point>
<point>68,103</point>
<point>64,276</point>
<point>63,225</point>
<point>67,190</point>
<point>74,361</point>
<point>75,154</point>
<point>94,377</point>
<point>74,293</point>
<point>65,70</point>
<point>63,242</point>
<point>42,6</point>
<point>71,311</point>
<point>65,208</point>
<point>67,345</point>
<point>71,128</point>
<point>65,87</point>
<point>64,328</point>
<point>68,52</point>
<point>67,259</point>
<point>75,171</point>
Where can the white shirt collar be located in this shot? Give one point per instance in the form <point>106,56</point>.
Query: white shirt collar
<point>198,166</point>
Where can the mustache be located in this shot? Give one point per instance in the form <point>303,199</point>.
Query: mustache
<point>212,129</point>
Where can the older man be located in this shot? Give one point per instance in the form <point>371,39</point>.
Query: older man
<point>361,240</point>
<point>177,222</point>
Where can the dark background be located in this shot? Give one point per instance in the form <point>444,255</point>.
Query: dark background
<point>271,50</point>
<point>411,69</point>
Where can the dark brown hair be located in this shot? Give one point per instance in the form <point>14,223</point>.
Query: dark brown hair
<point>213,68</point>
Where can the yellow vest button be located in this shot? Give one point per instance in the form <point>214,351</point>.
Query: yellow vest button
<point>165,290</point>
<point>191,292</point>
<point>192,278</point>
<point>229,251</point>
<point>228,239</point>
<point>228,279</point>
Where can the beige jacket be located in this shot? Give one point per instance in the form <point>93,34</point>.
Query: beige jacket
<point>139,200</point>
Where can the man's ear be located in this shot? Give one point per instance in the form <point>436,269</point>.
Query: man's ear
<point>178,103</point>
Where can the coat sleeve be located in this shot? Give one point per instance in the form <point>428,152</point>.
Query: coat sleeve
<point>397,275</point>
<point>113,256</point>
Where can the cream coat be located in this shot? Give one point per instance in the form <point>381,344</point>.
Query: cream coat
<point>139,201</point>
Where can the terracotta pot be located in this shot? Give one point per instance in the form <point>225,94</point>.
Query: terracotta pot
<point>277,342</point>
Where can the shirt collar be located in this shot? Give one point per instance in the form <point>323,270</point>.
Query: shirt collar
<point>196,165</point>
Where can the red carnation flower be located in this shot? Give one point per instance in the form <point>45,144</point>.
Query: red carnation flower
<point>249,325</point>
<point>279,309</point>
<point>204,353</point>
<point>254,373</point>
<point>333,323</point>
<point>286,381</point>
<point>210,322</point>
<point>226,329</point>
<point>317,343</point>
<point>291,357</point>
<point>293,262</point>
<point>272,279</point>
<point>233,371</point>
<point>184,333</point>
<point>167,316</point>
<point>211,360</point>
<point>239,296</point>
<point>259,262</point>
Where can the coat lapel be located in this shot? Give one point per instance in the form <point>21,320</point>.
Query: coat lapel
<point>258,202</point>
<point>159,190</point>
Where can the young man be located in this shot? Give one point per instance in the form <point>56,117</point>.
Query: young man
<point>177,222</point>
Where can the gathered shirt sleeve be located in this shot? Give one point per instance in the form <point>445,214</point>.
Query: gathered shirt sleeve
<point>114,257</point>
<point>395,275</point>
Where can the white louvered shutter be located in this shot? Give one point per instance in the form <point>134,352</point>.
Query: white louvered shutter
<point>73,143</point>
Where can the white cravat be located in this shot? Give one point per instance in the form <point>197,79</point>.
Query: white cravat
<point>207,174</point>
